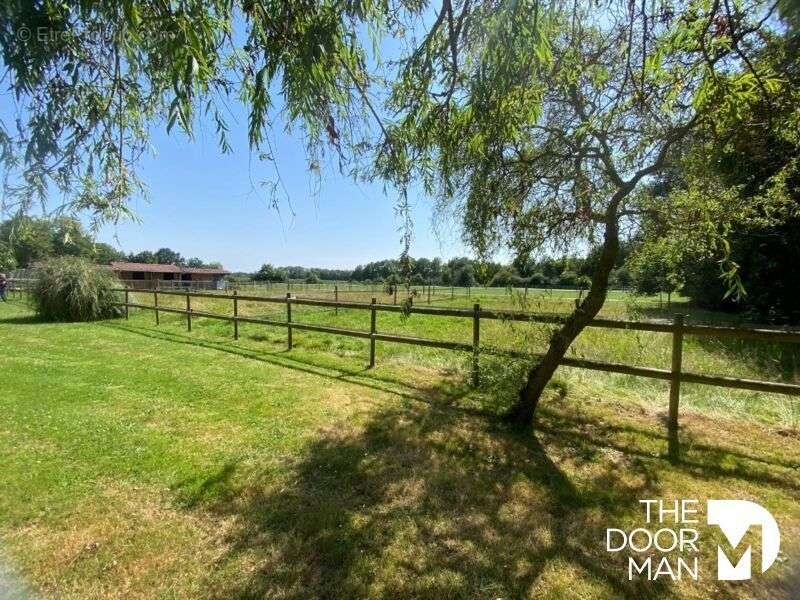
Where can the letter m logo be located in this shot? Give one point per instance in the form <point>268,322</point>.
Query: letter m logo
<point>734,518</point>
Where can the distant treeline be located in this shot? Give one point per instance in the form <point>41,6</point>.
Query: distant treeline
<point>26,240</point>
<point>568,271</point>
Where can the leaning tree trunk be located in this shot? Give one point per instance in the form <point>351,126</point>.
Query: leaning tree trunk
<point>541,373</point>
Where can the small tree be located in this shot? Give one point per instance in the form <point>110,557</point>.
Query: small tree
<point>655,268</point>
<point>568,279</point>
<point>621,277</point>
<point>168,256</point>
<point>390,283</point>
<point>145,256</point>
<point>269,273</point>
<point>505,277</point>
<point>103,253</point>
<point>541,126</point>
<point>538,279</point>
<point>464,276</point>
<point>30,239</point>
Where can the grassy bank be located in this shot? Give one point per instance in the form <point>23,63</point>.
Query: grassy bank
<point>150,462</point>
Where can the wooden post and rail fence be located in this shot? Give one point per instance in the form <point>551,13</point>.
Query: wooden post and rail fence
<point>678,329</point>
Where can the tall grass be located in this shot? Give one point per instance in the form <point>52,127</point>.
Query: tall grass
<point>72,289</point>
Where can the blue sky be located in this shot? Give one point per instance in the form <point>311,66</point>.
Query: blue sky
<point>206,204</point>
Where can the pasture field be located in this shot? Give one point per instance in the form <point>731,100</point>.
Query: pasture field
<point>144,461</point>
<point>496,297</point>
<point>737,358</point>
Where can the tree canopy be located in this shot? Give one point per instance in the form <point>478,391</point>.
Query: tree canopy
<point>544,127</point>
<point>745,175</point>
<point>26,240</point>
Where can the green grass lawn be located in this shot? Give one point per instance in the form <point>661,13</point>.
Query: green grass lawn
<point>151,462</point>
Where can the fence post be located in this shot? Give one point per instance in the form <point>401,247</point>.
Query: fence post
<point>675,386</point>
<point>336,298</point>
<point>289,318</point>
<point>395,293</point>
<point>235,315</point>
<point>787,363</point>
<point>126,304</point>
<point>429,293</point>
<point>372,331</point>
<point>452,292</point>
<point>188,312</point>
<point>476,343</point>
<point>155,303</point>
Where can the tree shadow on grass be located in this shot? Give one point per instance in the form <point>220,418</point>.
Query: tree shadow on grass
<point>22,320</point>
<point>425,501</point>
<point>430,500</point>
<point>443,391</point>
<point>701,459</point>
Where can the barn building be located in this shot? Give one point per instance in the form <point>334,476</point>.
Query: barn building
<point>148,276</point>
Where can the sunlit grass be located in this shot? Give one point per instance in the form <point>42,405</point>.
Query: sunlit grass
<point>144,461</point>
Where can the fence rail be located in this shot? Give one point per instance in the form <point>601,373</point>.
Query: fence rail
<point>19,286</point>
<point>420,292</point>
<point>170,284</point>
<point>678,329</point>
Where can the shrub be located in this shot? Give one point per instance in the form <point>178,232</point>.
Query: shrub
<point>568,278</point>
<point>503,278</point>
<point>72,289</point>
<point>7,260</point>
<point>538,279</point>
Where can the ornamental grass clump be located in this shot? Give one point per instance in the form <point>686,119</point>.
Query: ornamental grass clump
<point>73,289</point>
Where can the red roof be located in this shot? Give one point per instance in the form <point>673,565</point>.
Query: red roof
<point>153,268</point>
<point>200,270</point>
